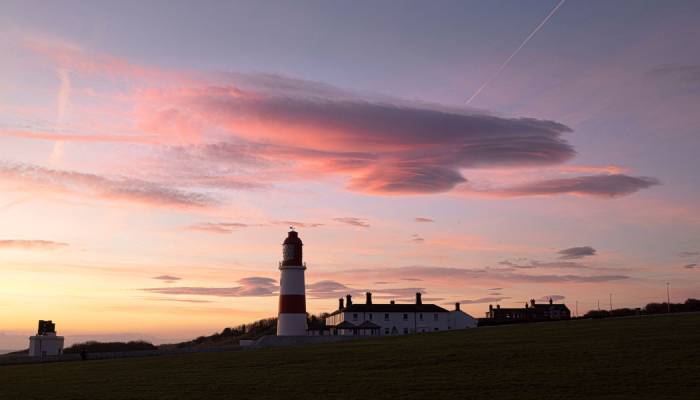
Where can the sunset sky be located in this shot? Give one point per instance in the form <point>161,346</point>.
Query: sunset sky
<point>153,155</point>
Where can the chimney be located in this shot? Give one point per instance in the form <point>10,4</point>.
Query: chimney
<point>532,303</point>
<point>392,302</point>
<point>418,299</point>
<point>550,300</point>
<point>369,299</point>
<point>457,306</point>
<point>498,306</point>
<point>527,305</point>
<point>348,300</point>
<point>490,307</point>
<point>340,303</point>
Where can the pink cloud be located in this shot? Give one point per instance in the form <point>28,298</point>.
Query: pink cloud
<point>277,128</point>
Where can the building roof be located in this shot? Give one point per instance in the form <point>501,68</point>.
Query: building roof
<point>544,307</point>
<point>368,325</point>
<point>346,325</point>
<point>397,308</point>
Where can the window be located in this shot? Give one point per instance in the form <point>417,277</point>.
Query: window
<point>354,317</point>
<point>370,316</point>
<point>436,328</point>
<point>420,316</point>
<point>435,317</point>
<point>405,317</point>
<point>405,330</point>
<point>386,331</point>
<point>386,317</point>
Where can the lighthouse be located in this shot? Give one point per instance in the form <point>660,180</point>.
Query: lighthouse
<point>292,309</point>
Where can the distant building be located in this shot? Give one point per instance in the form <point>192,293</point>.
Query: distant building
<point>531,312</point>
<point>372,319</point>
<point>45,343</point>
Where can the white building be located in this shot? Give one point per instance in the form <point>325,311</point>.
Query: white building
<point>45,343</point>
<point>371,319</point>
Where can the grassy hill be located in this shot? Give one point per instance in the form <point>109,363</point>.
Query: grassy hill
<point>653,357</point>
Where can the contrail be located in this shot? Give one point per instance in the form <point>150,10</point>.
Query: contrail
<point>527,39</point>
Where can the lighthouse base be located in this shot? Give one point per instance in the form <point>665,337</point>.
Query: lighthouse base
<point>291,324</point>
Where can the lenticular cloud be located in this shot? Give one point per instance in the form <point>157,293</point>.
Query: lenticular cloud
<point>385,145</point>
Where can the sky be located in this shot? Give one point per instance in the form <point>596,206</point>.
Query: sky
<point>154,154</point>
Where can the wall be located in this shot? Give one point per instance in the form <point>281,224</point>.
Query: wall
<point>45,345</point>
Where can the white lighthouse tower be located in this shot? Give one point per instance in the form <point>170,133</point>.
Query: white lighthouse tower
<point>292,309</point>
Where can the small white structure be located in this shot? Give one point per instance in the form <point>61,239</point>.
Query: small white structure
<point>291,320</point>
<point>45,343</point>
<point>461,320</point>
<point>393,319</point>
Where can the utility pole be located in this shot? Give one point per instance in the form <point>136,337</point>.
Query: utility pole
<point>576,308</point>
<point>668,296</point>
<point>598,305</point>
<point>611,302</point>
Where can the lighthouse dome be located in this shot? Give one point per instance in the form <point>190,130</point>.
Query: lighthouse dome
<point>292,249</point>
<point>293,238</point>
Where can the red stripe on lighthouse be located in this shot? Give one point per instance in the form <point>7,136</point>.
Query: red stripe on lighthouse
<point>292,304</point>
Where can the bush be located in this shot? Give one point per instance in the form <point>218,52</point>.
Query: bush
<point>109,347</point>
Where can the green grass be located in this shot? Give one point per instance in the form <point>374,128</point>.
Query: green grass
<point>655,357</point>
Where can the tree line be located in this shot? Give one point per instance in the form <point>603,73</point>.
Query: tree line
<point>652,308</point>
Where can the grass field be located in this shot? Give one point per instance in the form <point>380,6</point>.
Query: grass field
<point>654,357</point>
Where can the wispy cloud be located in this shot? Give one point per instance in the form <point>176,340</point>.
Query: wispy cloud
<point>297,224</point>
<point>415,238</point>
<point>423,219</point>
<point>553,297</point>
<point>178,300</point>
<point>690,266</point>
<point>604,186</point>
<point>218,227</point>
<point>36,178</point>
<point>31,244</point>
<point>330,289</point>
<point>248,287</point>
<point>689,73</point>
<point>167,278</point>
<point>452,274</point>
<point>573,253</point>
<point>259,286</point>
<point>354,221</point>
<point>525,263</point>
<point>482,300</point>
